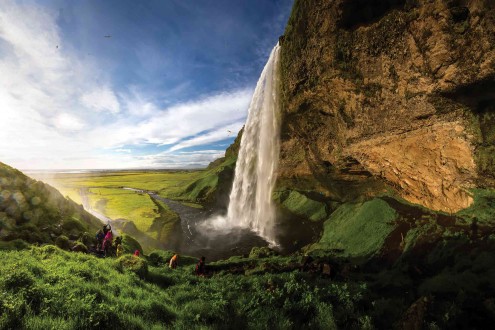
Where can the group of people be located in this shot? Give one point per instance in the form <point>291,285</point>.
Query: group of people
<point>199,270</point>
<point>105,243</point>
<point>107,247</point>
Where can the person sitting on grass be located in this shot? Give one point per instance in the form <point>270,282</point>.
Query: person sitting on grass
<point>174,261</point>
<point>201,267</point>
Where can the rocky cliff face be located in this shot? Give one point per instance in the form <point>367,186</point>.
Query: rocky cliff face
<point>390,95</point>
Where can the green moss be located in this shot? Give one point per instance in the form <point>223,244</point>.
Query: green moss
<point>301,205</point>
<point>62,242</point>
<point>483,207</point>
<point>17,244</point>
<point>261,252</point>
<point>134,264</point>
<point>73,224</point>
<point>359,230</point>
<point>204,189</point>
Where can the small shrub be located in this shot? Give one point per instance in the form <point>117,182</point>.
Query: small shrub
<point>73,224</point>
<point>17,244</point>
<point>159,257</point>
<point>87,239</point>
<point>79,247</point>
<point>63,242</point>
<point>261,252</point>
<point>134,264</point>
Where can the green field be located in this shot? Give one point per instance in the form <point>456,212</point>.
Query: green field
<point>104,193</point>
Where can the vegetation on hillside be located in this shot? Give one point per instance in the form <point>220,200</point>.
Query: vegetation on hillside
<point>37,213</point>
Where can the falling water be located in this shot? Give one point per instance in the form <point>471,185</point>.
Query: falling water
<point>251,203</point>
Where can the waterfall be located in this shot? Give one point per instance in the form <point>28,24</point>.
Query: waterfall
<point>251,203</point>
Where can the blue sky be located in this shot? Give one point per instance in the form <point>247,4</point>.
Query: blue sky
<point>129,84</point>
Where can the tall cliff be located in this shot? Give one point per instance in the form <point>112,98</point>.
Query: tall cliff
<point>389,95</point>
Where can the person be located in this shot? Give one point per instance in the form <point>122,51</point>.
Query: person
<point>174,261</point>
<point>106,229</point>
<point>201,267</point>
<point>99,240</point>
<point>136,253</point>
<point>107,242</point>
<point>120,250</point>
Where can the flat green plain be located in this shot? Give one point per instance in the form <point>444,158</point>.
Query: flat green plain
<point>104,193</point>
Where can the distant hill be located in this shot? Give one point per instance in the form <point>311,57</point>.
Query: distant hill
<point>35,212</point>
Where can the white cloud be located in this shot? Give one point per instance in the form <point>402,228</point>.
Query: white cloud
<point>68,122</point>
<point>179,122</point>
<point>57,110</point>
<point>183,159</point>
<point>213,136</point>
<point>101,99</point>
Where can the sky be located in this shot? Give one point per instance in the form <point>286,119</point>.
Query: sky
<point>114,84</point>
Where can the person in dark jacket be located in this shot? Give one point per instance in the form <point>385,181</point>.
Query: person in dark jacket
<point>201,267</point>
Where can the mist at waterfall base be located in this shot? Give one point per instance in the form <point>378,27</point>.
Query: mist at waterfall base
<point>251,218</point>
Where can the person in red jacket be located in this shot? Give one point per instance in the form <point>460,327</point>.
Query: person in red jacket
<point>107,242</point>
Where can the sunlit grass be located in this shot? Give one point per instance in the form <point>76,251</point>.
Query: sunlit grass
<point>124,204</point>
<point>46,288</point>
<point>166,183</point>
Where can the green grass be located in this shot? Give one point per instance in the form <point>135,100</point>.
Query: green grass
<point>126,204</point>
<point>49,288</point>
<point>359,229</point>
<point>166,183</point>
<point>164,225</point>
<point>483,207</point>
<point>301,205</point>
<point>206,184</point>
<point>36,212</point>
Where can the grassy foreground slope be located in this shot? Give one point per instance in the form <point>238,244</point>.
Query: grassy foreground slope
<point>47,288</point>
<point>52,289</point>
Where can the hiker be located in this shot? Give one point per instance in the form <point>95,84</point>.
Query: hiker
<point>136,253</point>
<point>99,240</point>
<point>120,250</point>
<point>201,267</point>
<point>106,229</point>
<point>107,242</point>
<point>174,261</point>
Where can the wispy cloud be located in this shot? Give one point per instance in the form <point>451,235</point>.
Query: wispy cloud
<point>62,108</point>
<point>101,99</point>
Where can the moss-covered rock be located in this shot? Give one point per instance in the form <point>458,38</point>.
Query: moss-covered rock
<point>358,230</point>
<point>261,252</point>
<point>301,205</point>
<point>63,242</point>
<point>134,264</point>
<point>17,244</point>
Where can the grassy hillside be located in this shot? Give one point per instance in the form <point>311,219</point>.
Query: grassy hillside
<point>50,288</point>
<point>47,288</point>
<point>37,213</point>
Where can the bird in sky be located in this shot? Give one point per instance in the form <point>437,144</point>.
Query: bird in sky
<point>108,36</point>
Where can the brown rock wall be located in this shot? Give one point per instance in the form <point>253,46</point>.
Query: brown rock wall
<point>387,74</point>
